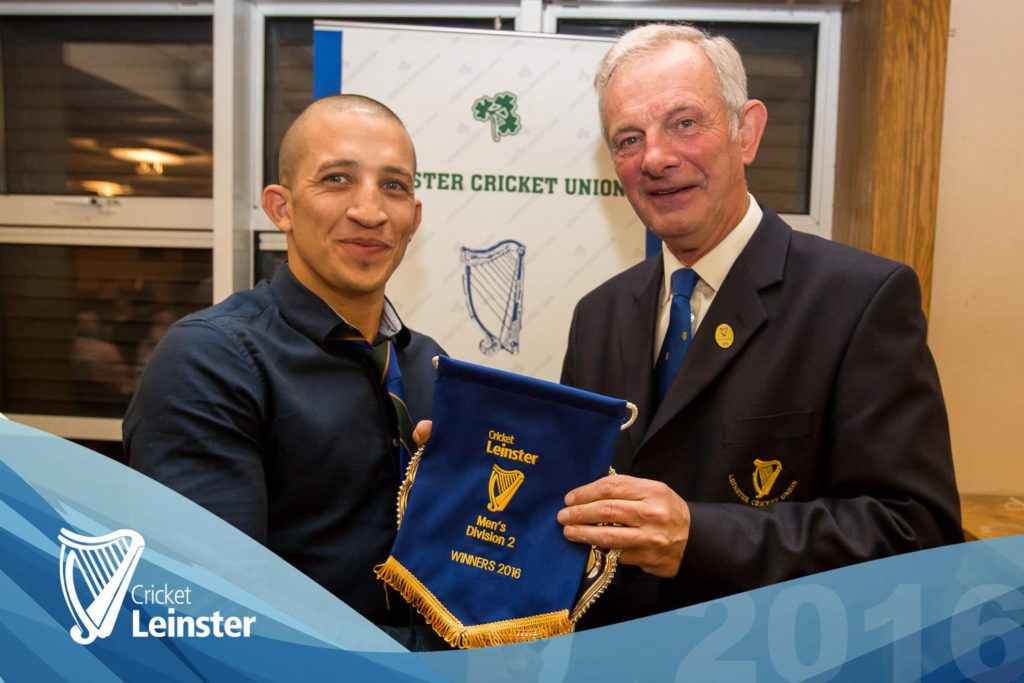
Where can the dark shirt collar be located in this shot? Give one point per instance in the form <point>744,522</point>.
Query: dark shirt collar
<point>313,317</point>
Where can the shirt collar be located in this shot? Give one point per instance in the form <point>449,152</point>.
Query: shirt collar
<point>313,317</point>
<point>716,264</point>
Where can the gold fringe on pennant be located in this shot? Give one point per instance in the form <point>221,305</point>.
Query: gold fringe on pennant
<point>453,631</point>
<point>419,596</point>
<point>518,630</point>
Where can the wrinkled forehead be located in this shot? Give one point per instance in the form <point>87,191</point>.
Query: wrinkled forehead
<point>678,70</point>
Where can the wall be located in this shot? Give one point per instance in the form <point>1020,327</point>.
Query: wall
<point>889,129</point>
<point>977,311</point>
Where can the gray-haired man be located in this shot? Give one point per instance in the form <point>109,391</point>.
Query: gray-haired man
<point>804,428</point>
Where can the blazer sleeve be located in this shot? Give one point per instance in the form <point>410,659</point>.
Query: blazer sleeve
<point>888,484</point>
<point>194,425</point>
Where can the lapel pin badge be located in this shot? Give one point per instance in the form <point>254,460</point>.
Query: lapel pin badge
<point>724,336</point>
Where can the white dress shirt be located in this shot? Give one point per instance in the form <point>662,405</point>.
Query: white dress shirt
<point>711,269</point>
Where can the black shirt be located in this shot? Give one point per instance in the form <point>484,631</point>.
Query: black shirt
<point>251,410</point>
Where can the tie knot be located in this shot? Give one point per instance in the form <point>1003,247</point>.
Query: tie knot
<point>683,282</point>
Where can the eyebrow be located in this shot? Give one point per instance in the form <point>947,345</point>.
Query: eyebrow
<point>351,163</point>
<point>624,129</point>
<point>682,109</point>
<point>336,163</point>
<point>398,170</point>
<point>629,127</point>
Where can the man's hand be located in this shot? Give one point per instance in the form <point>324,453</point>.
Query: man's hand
<point>422,432</point>
<point>654,522</point>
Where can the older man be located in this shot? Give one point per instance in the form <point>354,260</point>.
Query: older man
<point>791,419</point>
<point>278,409</point>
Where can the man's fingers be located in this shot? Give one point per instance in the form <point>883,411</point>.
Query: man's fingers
<point>422,432</point>
<point>619,486</point>
<point>609,537</point>
<point>651,522</point>
<point>651,550</point>
<point>605,511</point>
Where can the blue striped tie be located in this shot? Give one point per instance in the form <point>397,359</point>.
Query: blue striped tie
<point>679,334</point>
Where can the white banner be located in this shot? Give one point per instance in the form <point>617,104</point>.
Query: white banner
<point>522,212</point>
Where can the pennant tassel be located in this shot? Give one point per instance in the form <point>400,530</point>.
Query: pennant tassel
<point>452,631</point>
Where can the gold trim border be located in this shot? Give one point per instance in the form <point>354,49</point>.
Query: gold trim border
<point>609,563</point>
<point>457,634</point>
<point>406,485</point>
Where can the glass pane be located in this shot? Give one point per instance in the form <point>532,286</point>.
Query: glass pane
<point>266,262</point>
<point>781,64</point>
<point>77,324</point>
<point>107,106</point>
<point>289,73</point>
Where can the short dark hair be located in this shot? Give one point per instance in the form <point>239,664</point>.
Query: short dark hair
<point>292,143</point>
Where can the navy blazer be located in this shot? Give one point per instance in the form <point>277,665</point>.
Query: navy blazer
<point>828,379</point>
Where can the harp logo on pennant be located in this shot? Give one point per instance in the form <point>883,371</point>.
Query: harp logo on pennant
<point>104,565</point>
<point>492,280</point>
<point>502,486</point>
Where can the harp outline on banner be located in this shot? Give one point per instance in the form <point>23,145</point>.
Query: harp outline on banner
<point>106,564</point>
<point>500,293</point>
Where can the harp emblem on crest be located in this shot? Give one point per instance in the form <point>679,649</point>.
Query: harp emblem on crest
<point>502,486</point>
<point>765,474</point>
<point>492,280</point>
<point>105,565</point>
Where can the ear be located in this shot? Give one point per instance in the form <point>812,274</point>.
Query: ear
<point>752,122</point>
<point>419,217</point>
<point>275,202</point>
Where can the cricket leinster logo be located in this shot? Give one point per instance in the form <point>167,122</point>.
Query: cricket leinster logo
<point>500,110</point>
<point>104,565</point>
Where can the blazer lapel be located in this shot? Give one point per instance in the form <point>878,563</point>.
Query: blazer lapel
<point>636,344</point>
<point>738,304</point>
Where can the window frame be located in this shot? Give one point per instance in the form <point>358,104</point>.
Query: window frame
<point>194,213</point>
<point>79,220</point>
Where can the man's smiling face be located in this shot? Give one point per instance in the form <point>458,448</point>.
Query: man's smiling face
<point>351,207</point>
<point>671,143</point>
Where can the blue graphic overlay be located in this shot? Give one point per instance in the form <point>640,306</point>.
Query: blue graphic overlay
<point>941,615</point>
<point>492,280</point>
<point>184,612</point>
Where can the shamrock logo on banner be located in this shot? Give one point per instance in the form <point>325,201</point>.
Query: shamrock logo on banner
<point>500,110</point>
